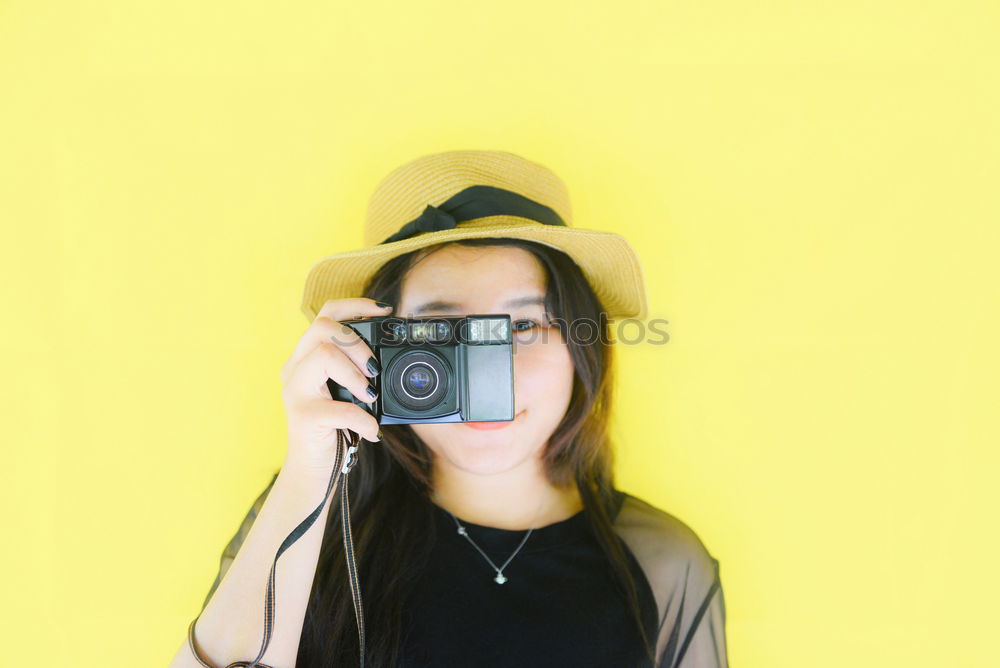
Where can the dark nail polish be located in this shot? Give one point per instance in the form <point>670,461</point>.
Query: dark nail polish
<point>373,366</point>
<point>371,391</point>
<point>383,305</point>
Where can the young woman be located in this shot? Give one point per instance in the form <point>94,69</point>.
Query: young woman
<point>477,544</point>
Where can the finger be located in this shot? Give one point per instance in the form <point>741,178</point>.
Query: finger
<point>349,341</point>
<point>323,328</point>
<point>331,415</point>
<point>345,309</point>
<point>327,361</point>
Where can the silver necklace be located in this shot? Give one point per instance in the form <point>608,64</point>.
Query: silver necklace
<point>500,577</point>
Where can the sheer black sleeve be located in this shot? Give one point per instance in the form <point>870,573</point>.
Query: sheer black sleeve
<point>684,579</point>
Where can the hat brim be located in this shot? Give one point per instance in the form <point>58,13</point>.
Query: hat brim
<point>607,260</point>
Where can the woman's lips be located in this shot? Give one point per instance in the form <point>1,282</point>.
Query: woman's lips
<point>490,426</point>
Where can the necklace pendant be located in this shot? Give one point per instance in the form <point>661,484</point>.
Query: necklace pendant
<point>500,579</point>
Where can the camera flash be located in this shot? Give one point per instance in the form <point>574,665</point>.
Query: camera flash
<point>489,330</point>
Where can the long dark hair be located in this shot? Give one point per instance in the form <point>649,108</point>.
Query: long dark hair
<point>390,487</point>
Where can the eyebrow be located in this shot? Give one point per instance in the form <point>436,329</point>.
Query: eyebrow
<point>438,305</point>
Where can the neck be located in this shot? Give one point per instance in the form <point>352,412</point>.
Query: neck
<point>517,500</point>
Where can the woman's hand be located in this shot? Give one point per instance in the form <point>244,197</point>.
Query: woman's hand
<point>328,349</point>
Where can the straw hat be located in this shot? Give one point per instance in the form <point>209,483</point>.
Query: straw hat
<point>474,194</point>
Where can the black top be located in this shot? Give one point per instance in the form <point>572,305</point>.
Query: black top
<point>558,607</point>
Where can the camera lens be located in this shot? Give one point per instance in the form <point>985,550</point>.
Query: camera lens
<point>418,380</point>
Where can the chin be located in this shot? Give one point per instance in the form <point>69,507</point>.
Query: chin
<point>487,452</point>
<point>485,460</point>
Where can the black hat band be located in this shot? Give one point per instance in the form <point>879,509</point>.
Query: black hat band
<point>476,202</point>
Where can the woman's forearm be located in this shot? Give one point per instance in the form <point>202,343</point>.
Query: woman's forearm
<point>231,627</point>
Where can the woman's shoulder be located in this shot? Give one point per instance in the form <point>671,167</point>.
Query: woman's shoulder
<point>662,542</point>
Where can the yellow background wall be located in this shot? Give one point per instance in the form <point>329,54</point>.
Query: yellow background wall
<point>811,187</point>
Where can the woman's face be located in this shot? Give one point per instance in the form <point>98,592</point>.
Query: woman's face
<point>462,280</point>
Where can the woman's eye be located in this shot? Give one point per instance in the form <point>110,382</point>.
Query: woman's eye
<point>524,325</point>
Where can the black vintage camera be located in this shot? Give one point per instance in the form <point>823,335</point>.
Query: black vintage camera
<point>438,369</point>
